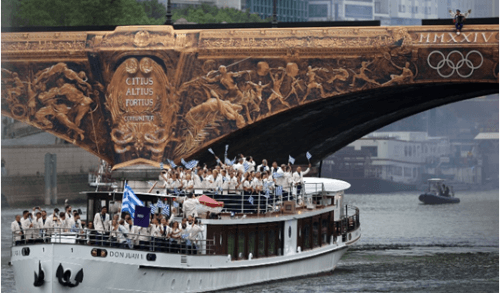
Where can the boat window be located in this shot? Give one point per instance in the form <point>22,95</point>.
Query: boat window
<point>230,245</point>
<point>262,243</point>
<point>307,236</point>
<point>271,242</point>
<point>251,243</point>
<point>316,233</point>
<point>289,231</point>
<point>324,231</point>
<point>241,244</point>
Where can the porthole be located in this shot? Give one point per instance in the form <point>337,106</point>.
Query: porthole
<point>201,281</point>
<point>350,236</point>
<point>98,252</point>
<point>290,232</point>
<point>25,251</point>
<point>151,257</point>
<point>172,286</point>
<point>188,285</point>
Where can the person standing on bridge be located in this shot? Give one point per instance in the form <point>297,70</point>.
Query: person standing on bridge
<point>459,19</point>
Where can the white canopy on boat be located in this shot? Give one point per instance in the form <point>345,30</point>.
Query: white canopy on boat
<point>330,185</point>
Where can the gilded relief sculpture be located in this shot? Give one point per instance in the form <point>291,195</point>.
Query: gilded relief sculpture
<point>152,93</point>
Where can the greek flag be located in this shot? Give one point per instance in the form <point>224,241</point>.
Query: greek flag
<point>225,153</point>
<point>266,195</point>
<point>279,190</point>
<point>165,210</point>
<point>176,204</point>
<point>277,175</point>
<point>154,208</point>
<point>172,164</point>
<point>211,151</point>
<point>308,156</point>
<point>229,162</point>
<point>161,165</point>
<point>191,164</point>
<point>150,183</point>
<point>184,162</point>
<point>291,160</point>
<point>160,204</point>
<point>246,166</point>
<point>130,200</point>
<point>250,199</point>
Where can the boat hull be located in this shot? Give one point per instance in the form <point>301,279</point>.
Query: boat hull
<point>130,271</point>
<point>427,198</point>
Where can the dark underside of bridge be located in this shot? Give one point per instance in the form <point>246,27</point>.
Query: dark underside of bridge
<point>325,126</point>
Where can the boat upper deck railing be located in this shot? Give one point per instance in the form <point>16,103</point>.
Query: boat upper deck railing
<point>115,239</point>
<point>262,201</point>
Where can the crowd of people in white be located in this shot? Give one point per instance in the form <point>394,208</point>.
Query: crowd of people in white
<point>162,234</point>
<point>244,176</point>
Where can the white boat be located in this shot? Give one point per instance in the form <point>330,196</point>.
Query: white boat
<point>237,248</point>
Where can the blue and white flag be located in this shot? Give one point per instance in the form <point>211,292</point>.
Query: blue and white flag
<point>150,183</point>
<point>250,199</point>
<point>130,201</point>
<point>191,164</point>
<point>161,165</point>
<point>229,162</point>
<point>165,210</point>
<point>160,204</point>
<point>279,190</point>
<point>278,175</point>
<point>184,162</point>
<point>176,204</point>
<point>225,153</point>
<point>266,195</point>
<point>211,151</point>
<point>172,164</point>
<point>246,166</point>
<point>308,156</point>
<point>154,208</point>
<point>291,159</point>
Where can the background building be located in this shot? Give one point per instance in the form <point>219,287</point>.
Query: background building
<point>287,11</point>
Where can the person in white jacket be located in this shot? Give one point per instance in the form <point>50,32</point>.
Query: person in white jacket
<point>298,178</point>
<point>27,225</point>
<point>101,224</point>
<point>17,230</point>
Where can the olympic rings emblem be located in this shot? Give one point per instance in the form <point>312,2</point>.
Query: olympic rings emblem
<point>455,67</point>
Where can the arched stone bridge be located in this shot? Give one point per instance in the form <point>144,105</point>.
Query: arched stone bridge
<point>150,93</point>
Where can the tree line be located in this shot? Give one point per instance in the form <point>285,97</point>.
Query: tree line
<point>33,13</point>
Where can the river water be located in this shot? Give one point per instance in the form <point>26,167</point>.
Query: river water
<point>405,247</point>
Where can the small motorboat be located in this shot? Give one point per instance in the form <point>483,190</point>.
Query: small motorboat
<point>438,193</point>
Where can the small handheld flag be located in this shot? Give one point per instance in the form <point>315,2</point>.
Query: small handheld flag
<point>161,165</point>
<point>246,166</point>
<point>225,153</point>
<point>308,156</point>
<point>211,151</point>
<point>165,210</point>
<point>191,164</point>
<point>153,208</point>
<point>277,175</point>
<point>250,199</point>
<point>279,190</point>
<point>291,159</point>
<point>183,162</point>
<point>172,164</point>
